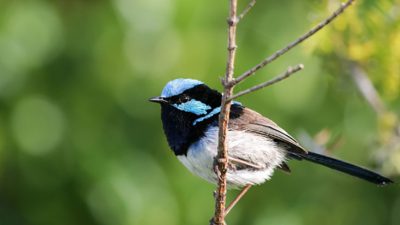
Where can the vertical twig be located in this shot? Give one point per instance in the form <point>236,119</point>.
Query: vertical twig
<point>222,157</point>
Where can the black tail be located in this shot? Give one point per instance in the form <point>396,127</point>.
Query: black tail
<point>346,168</point>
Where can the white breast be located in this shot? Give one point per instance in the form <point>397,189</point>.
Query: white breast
<point>241,144</point>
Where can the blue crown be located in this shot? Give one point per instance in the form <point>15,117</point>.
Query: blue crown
<point>177,86</point>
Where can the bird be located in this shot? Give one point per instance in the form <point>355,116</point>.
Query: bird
<point>257,146</point>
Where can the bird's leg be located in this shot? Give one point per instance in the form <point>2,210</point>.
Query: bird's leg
<point>243,162</point>
<point>238,197</point>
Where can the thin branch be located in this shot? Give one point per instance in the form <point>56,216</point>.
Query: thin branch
<point>222,156</point>
<point>305,36</point>
<point>290,71</point>
<point>236,200</point>
<point>366,88</point>
<point>391,144</point>
<point>247,9</point>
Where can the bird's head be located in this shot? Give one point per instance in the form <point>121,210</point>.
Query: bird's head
<point>189,97</point>
<point>188,107</point>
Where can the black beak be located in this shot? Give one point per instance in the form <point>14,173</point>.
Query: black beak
<point>158,99</point>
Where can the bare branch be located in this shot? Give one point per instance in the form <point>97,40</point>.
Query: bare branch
<point>236,200</point>
<point>278,78</point>
<point>247,9</point>
<point>282,51</point>
<point>366,88</point>
<point>222,155</point>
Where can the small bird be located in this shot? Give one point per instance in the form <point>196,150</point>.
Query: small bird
<point>256,145</point>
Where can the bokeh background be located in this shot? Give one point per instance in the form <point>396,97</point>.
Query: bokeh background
<point>80,144</point>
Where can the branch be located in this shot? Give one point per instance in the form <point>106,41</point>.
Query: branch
<point>278,78</point>
<point>222,156</point>
<point>305,36</point>
<point>366,88</point>
<point>221,161</point>
<point>247,10</point>
<point>391,144</point>
<point>236,200</point>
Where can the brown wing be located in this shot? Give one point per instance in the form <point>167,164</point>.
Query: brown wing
<point>254,122</point>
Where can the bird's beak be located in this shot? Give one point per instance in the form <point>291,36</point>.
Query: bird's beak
<point>158,99</point>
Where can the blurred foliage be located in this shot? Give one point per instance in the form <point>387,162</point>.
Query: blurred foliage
<point>370,38</point>
<point>80,144</point>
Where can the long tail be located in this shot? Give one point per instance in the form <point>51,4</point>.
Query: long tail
<point>346,168</point>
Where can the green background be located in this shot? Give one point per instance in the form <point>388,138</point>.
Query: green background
<point>80,144</point>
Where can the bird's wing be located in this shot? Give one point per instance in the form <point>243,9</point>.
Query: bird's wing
<point>254,122</point>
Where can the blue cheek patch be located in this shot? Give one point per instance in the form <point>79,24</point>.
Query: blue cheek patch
<point>193,106</point>
<point>212,113</point>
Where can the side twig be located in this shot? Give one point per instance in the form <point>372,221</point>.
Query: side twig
<point>282,51</point>
<point>236,200</point>
<point>290,71</point>
<point>247,9</point>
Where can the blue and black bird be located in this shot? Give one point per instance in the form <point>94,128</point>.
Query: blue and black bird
<point>256,145</point>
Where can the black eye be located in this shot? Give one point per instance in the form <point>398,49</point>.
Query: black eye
<point>185,98</point>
